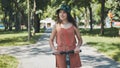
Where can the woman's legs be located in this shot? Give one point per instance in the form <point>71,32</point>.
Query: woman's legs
<point>60,61</point>
<point>75,61</point>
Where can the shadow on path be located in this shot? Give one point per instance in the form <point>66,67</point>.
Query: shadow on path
<point>40,48</point>
<point>89,56</point>
<point>99,62</point>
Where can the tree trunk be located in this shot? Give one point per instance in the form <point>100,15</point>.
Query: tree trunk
<point>10,21</point>
<point>102,16</point>
<point>5,22</point>
<point>10,25</point>
<point>90,10</point>
<point>37,24</point>
<point>29,27</point>
<point>86,18</point>
<point>17,22</point>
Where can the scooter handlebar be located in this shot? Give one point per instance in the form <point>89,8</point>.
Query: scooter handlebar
<point>66,52</point>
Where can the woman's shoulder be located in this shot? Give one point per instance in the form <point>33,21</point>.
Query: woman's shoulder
<point>56,26</point>
<point>75,28</point>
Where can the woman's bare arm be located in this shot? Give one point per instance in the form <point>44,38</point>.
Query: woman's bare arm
<point>80,41</point>
<point>51,41</point>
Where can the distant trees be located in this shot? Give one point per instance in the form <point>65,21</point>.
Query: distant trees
<point>15,13</point>
<point>92,11</point>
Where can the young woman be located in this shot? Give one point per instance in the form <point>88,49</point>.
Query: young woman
<point>66,33</point>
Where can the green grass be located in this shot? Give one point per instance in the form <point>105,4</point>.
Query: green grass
<point>13,38</point>
<point>7,61</point>
<point>108,32</point>
<point>109,43</point>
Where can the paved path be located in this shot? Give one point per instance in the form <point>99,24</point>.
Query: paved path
<point>39,56</point>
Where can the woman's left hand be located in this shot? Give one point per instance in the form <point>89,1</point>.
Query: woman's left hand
<point>77,50</point>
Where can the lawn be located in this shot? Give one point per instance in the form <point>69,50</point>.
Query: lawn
<point>7,61</point>
<point>13,38</point>
<point>109,43</point>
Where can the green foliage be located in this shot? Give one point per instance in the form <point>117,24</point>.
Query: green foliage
<point>96,12</point>
<point>47,8</point>
<point>42,4</point>
<point>49,12</point>
<point>7,61</point>
<point>113,5</point>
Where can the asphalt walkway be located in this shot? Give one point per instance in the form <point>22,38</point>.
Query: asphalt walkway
<point>39,56</point>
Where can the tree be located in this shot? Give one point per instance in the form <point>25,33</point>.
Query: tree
<point>87,5</point>
<point>29,32</point>
<point>13,13</point>
<point>38,6</point>
<point>102,16</point>
<point>6,9</point>
<point>19,14</point>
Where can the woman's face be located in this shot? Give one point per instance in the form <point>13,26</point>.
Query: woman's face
<point>62,15</point>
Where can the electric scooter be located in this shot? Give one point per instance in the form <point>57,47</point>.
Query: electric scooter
<point>67,53</point>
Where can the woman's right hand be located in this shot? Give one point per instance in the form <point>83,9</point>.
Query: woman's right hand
<point>55,51</point>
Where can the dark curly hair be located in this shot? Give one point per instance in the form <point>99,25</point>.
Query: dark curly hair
<point>69,18</point>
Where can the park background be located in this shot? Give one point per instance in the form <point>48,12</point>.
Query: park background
<point>20,24</point>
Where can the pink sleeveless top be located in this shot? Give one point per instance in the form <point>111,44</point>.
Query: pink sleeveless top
<point>65,38</point>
